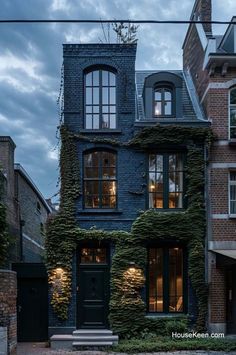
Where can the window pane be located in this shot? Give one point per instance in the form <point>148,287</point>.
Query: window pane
<point>105,121</point>
<point>100,255</point>
<point>172,200</point>
<point>159,162</point>
<point>86,255</point>
<point>233,97</point>
<point>112,96</point>
<point>232,132</point>
<point>155,280</point>
<point>152,162</point>
<point>109,159</point>
<point>232,176</point>
<point>157,108</point>
<point>233,116</point>
<point>105,96</point>
<point>88,96</point>
<point>167,95</point>
<point>95,121</point>
<point>158,200</point>
<point>91,172</point>
<point>112,121</point>
<point>167,108</point>
<point>95,109</point>
<point>89,109</point>
<point>88,123</point>
<point>105,78</point>
<point>113,109</point>
<point>158,95</point>
<point>96,78</point>
<point>89,79</point>
<point>112,78</point>
<point>105,109</point>
<point>95,96</point>
<point>175,280</point>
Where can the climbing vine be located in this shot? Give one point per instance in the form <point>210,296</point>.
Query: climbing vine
<point>127,308</point>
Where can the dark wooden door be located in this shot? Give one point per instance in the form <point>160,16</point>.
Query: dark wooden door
<point>32,309</point>
<point>93,289</point>
<point>231,300</point>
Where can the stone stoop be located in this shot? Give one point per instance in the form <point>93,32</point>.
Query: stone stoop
<point>84,338</point>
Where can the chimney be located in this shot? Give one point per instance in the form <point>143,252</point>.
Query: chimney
<point>202,11</point>
<point>7,147</point>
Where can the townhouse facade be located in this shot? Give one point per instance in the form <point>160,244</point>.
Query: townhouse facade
<point>150,232</point>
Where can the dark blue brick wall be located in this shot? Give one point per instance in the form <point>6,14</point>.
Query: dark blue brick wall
<point>131,164</point>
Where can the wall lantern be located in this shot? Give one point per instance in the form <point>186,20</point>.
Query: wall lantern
<point>132,267</point>
<point>58,273</point>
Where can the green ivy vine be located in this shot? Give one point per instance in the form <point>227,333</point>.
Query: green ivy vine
<point>127,308</point>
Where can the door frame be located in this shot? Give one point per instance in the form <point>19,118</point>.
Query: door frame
<point>79,267</point>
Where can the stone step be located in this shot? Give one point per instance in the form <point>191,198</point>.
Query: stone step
<point>93,332</point>
<point>86,343</point>
<point>113,338</point>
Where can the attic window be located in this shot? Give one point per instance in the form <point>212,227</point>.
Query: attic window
<point>163,101</point>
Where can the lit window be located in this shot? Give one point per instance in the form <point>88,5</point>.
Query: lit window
<point>100,183</point>
<point>163,102</point>
<point>166,181</point>
<point>100,100</point>
<point>232,193</point>
<point>166,280</point>
<point>93,256</point>
<point>233,113</point>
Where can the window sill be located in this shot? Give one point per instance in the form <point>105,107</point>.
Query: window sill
<point>100,211</point>
<point>167,210</point>
<point>232,141</point>
<point>232,216</point>
<point>101,131</point>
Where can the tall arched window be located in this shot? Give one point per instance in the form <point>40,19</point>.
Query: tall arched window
<point>233,113</point>
<point>163,101</point>
<point>100,99</point>
<point>100,185</point>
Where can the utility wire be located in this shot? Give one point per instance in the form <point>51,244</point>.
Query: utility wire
<point>120,21</point>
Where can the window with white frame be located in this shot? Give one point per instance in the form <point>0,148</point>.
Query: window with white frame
<point>232,193</point>
<point>233,113</point>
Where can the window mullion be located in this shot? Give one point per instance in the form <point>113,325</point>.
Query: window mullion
<point>166,181</point>
<point>100,98</point>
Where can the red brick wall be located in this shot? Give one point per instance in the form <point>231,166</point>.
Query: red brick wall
<point>217,295</point>
<point>8,317</point>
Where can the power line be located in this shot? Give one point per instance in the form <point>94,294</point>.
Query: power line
<point>120,21</point>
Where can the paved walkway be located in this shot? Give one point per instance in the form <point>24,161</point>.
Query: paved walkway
<point>42,349</point>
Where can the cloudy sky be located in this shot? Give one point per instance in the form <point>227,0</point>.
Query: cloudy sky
<point>31,58</point>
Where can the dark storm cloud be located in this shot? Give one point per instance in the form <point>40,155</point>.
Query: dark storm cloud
<point>31,58</point>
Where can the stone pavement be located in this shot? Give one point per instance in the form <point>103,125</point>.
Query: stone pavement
<point>42,349</point>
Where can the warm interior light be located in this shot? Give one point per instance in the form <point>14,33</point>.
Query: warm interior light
<point>58,272</point>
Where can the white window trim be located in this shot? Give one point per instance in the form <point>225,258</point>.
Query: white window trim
<point>229,106</point>
<point>231,215</point>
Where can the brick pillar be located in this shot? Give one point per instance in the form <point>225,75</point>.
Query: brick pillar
<point>8,317</point>
<point>217,300</point>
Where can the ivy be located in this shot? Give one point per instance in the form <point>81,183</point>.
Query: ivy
<point>127,308</point>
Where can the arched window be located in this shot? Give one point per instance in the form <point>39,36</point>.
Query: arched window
<point>233,113</point>
<point>163,101</point>
<point>100,185</point>
<point>100,99</point>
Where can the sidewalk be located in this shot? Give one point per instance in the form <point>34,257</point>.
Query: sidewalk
<point>41,349</point>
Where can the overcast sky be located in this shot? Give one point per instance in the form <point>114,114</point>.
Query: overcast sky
<point>31,58</point>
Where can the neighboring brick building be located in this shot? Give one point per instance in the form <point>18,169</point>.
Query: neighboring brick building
<point>211,62</point>
<point>27,210</point>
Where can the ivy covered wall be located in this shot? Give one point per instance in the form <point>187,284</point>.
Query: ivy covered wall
<point>127,309</point>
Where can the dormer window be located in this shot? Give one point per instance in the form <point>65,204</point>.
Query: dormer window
<point>163,102</point>
<point>100,99</point>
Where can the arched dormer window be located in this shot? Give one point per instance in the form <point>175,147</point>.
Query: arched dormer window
<point>163,101</point>
<point>100,99</point>
<point>233,113</point>
<point>100,183</point>
<point>162,96</point>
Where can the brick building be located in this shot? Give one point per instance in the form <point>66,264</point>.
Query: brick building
<point>211,62</point>
<point>27,209</point>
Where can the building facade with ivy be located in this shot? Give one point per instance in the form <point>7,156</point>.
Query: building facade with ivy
<point>211,61</point>
<point>126,250</point>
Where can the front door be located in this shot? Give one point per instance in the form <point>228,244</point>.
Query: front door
<point>231,300</point>
<point>93,288</point>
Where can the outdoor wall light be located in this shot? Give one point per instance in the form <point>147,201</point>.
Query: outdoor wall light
<point>132,267</point>
<point>58,273</point>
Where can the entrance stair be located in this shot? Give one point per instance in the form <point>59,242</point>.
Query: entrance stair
<point>84,339</point>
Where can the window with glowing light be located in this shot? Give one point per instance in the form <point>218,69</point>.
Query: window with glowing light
<point>100,184</point>
<point>166,280</point>
<point>93,256</point>
<point>163,102</point>
<point>100,99</point>
<point>166,180</point>
<point>233,113</point>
